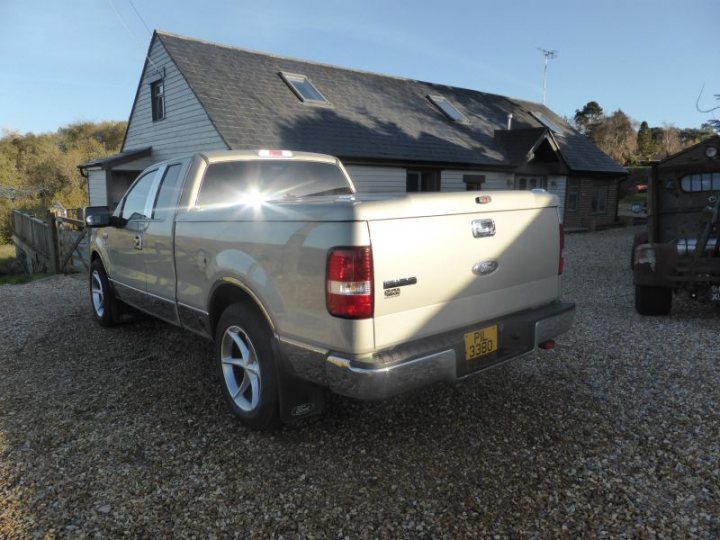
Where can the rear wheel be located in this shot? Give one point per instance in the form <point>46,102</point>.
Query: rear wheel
<point>243,348</point>
<point>105,307</point>
<point>653,300</point>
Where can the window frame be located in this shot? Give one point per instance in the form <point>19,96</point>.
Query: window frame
<point>448,109</point>
<point>604,190</point>
<point>291,78</point>
<point>545,121</point>
<point>572,197</point>
<point>149,196</point>
<point>699,178</point>
<point>157,102</point>
<point>161,183</point>
<point>540,178</point>
<point>427,181</point>
<point>474,182</point>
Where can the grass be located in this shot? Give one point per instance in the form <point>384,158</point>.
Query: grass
<point>20,279</point>
<point>636,198</point>
<point>7,255</point>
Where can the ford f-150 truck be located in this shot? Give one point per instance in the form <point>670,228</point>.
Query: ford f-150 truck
<point>303,284</point>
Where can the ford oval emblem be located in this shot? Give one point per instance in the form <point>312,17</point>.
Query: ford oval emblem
<point>483,268</point>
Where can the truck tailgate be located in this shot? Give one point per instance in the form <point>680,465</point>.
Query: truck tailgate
<point>435,274</point>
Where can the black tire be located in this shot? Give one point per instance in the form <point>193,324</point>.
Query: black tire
<point>106,309</point>
<point>247,367</point>
<point>653,300</point>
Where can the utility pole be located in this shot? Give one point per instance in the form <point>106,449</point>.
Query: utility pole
<point>549,55</point>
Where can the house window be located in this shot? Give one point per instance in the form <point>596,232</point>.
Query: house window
<point>422,181</point>
<point>473,182</point>
<point>304,89</point>
<point>530,182</point>
<point>448,109</point>
<point>157,96</point>
<point>573,194</point>
<point>599,199</point>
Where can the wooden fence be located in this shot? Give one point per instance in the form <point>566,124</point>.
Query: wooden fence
<point>52,244</point>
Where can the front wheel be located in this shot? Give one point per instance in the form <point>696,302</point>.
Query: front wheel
<point>653,300</point>
<point>243,349</point>
<point>105,307</point>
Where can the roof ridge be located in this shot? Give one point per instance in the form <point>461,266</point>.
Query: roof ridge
<point>329,65</point>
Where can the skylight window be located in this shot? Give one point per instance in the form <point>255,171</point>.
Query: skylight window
<point>448,109</point>
<point>546,122</point>
<point>304,89</point>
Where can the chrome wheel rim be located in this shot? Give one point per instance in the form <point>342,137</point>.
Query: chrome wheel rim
<point>98,295</point>
<point>241,368</point>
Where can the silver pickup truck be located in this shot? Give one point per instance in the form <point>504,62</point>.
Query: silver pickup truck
<point>304,284</point>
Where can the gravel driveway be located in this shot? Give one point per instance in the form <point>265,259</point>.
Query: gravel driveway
<point>123,432</point>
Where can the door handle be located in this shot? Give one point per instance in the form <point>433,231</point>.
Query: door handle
<point>138,241</point>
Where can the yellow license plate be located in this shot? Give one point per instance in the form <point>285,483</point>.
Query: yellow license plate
<point>481,342</point>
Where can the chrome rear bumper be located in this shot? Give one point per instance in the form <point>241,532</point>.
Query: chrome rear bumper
<point>427,361</point>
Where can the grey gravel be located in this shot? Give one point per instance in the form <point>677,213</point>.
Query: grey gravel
<point>122,432</point>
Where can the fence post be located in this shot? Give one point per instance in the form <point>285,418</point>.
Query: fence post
<point>53,258</point>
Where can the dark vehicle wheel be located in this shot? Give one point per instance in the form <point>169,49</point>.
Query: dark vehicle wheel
<point>105,307</point>
<point>243,348</point>
<point>653,300</point>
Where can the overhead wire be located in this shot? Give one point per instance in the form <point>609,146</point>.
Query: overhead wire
<point>139,16</point>
<point>129,31</point>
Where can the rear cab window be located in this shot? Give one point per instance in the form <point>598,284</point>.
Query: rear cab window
<point>234,182</point>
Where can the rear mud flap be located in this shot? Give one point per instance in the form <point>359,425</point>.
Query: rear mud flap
<point>298,398</point>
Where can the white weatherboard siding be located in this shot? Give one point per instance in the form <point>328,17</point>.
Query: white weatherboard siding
<point>97,188</point>
<point>186,127</point>
<point>378,179</point>
<point>453,180</point>
<point>556,186</point>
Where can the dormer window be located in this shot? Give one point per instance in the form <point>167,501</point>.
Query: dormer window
<point>304,89</point>
<point>448,109</point>
<point>157,98</point>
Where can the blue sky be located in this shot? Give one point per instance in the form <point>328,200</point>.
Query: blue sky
<point>70,60</point>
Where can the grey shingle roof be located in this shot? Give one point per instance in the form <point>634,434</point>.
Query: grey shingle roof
<point>371,117</point>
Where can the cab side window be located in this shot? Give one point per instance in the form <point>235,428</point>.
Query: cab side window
<point>167,196</point>
<point>134,206</point>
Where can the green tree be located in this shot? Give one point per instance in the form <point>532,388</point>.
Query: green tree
<point>587,118</point>
<point>39,170</point>
<point>645,143</point>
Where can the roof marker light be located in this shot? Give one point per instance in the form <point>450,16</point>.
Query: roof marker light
<point>275,153</point>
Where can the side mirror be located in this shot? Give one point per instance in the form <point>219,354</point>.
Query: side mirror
<point>97,216</point>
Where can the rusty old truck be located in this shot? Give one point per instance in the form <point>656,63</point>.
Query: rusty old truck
<point>679,252</point>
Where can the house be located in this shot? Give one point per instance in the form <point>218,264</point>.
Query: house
<point>392,134</point>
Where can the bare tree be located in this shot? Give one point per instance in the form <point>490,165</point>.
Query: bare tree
<point>616,136</point>
<point>670,143</point>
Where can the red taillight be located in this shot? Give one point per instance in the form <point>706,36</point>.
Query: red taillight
<point>561,264</point>
<point>349,291</point>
